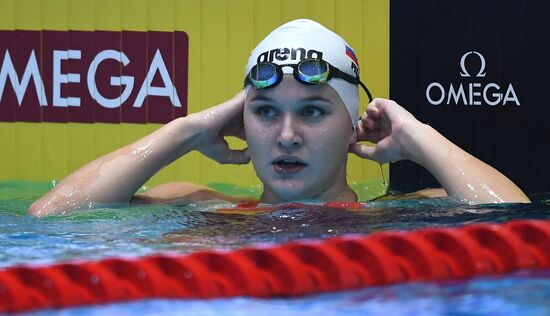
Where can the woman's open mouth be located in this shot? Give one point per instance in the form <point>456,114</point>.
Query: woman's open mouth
<point>288,165</point>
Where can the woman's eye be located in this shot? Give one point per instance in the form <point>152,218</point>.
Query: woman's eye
<point>311,111</point>
<point>266,111</point>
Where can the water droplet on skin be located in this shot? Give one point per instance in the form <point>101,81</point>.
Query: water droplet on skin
<point>144,151</point>
<point>492,193</point>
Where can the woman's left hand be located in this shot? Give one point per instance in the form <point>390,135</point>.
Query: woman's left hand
<point>398,135</point>
<point>387,125</point>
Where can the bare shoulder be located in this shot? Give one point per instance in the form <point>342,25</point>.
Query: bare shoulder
<point>172,191</point>
<point>429,193</point>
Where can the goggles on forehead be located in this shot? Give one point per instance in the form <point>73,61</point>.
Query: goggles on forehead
<point>311,71</point>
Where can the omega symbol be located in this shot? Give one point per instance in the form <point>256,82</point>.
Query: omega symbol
<point>464,72</point>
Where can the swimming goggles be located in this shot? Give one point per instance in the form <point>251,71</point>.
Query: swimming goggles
<point>311,71</point>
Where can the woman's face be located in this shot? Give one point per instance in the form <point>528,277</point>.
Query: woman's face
<point>298,137</point>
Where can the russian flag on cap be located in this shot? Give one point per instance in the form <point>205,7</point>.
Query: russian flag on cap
<point>351,54</point>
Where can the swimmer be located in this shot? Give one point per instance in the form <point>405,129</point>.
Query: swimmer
<point>299,114</point>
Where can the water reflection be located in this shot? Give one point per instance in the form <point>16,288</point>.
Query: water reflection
<point>186,227</point>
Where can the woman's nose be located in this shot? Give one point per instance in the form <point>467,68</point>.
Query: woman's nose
<point>289,137</point>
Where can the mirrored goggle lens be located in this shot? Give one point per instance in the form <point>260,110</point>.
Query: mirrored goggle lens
<point>263,75</point>
<point>313,71</point>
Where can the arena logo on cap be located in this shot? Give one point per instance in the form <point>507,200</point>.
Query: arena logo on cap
<point>472,93</point>
<point>282,54</point>
<point>100,76</point>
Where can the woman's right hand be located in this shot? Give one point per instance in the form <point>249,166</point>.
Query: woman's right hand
<point>213,124</point>
<point>116,176</point>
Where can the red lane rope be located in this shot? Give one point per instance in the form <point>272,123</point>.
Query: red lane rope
<point>294,268</point>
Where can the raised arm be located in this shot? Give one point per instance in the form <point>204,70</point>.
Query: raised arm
<point>115,177</point>
<point>398,135</point>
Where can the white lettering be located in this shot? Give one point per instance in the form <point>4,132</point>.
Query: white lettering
<point>496,95</point>
<point>428,93</point>
<point>510,95</point>
<point>456,94</point>
<point>474,93</point>
<point>127,81</point>
<point>60,78</point>
<point>168,90</point>
<point>31,71</point>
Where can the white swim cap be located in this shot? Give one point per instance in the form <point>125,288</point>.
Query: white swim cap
<point>301,39</point>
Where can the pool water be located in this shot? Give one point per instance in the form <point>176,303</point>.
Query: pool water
<point>135,231</point>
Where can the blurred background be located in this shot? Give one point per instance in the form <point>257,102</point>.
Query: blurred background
<point>80,78</point>
<point>66,92</point>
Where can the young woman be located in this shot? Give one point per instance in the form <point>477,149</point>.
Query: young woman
<point>299,115</point>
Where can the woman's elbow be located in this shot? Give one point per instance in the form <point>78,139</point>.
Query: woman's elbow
<point>37,209</point>
<point>45,206</point>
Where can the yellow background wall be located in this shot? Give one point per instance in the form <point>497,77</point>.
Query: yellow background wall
<point>221,35</point>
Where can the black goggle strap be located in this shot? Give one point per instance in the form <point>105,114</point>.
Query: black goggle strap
<point>366,90</point>
<point>351,79</point>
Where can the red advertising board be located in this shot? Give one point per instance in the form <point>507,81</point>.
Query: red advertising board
<point>100,76</point>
